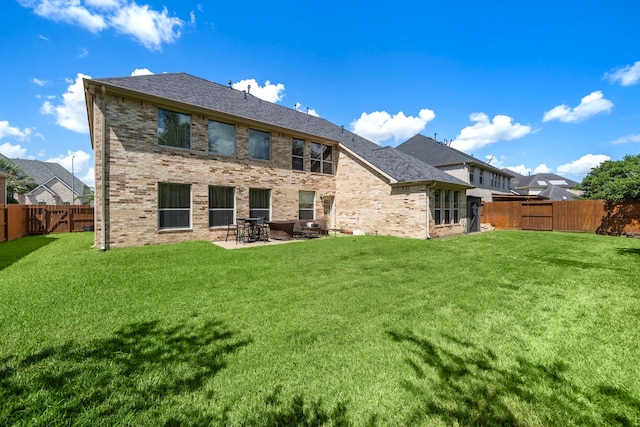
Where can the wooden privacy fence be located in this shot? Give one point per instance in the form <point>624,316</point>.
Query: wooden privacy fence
<point>20,220</point>
<point>589,216</point>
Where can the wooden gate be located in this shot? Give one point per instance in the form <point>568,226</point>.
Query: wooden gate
<point>537,216</point>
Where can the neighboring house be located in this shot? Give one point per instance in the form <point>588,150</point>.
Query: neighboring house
<point>488,180</point>
<point>546,186</point>
<point>54,184</point>
<point>4,175</point>
<point>179,158</point>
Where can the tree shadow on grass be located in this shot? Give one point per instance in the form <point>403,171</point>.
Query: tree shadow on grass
<point>296,411</point>
<point>629,251</point>
<point>14,250</point>
<point>145,373</point>
<point>460,383</point>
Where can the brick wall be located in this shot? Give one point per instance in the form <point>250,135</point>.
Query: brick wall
<point>137,164</point>
<point>366,202</point>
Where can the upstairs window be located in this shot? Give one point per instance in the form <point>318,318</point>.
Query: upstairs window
<point>259,145</point>
<point>297,154</point>
<point>306,202</point>
<point>481,176</point>
<point>472,171</point>
<point>174,206</point>
<point>221,206</point>
<point>321,158</point>
<point>174,129</point>
<point>222,138</point>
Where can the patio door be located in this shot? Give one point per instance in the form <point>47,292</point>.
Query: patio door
<point>474,205</point>
<point>327,207</point>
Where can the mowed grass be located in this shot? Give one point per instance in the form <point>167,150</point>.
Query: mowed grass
<point>500,328</point>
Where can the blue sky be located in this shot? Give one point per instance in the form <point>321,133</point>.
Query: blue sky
<point>545,86</point>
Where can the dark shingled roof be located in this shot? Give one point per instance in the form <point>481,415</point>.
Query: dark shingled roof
<point>542,180</point>
<point>195,91</point>
<point>438,154</point>
<point>41,172</point>
<point>555,192</point>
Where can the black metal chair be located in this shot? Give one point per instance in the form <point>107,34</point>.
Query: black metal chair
<point>262,230</point>
<point>229,224</point>
<point>242,230</point>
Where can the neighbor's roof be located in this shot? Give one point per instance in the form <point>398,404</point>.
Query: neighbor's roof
<point>542,180</point>
<point>439,154</point>
<point>4,173</point>
<point>194,91</point>
<point>43,172</point>
<point>555,192</point>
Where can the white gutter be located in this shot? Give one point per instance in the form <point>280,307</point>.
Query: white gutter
<point>427,189</point>
<point>103,229</point>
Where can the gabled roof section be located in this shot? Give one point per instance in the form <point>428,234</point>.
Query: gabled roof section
<point>193,91</point>
<point>555,192</point>
<point>438,154</point>
<point>543,180</point>
<point>43,172</point>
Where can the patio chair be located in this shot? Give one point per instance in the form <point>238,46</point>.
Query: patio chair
<point>229,224</point>
<point>262,230</point>
<point>242,230</point>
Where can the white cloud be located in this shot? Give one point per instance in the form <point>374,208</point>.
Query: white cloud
<point>69,11</point>
<point>12,151</point>
<point>148,27</point>
<point>485,132</point>
<point>104,4</point>
<point>627,75</point>
<point>71,114</point>
<point>39,82</point>
<point>89,177</point>
<point>83,53</point>
<point>627,138</point>
<point>78,162</point>
<point>380,126</point>
<point>7,130</point>
<point>141,72</point>
<point>542,168</point>
<point>525,171</point>
<point>521,169</point>
<point>298,107</point>
<point>590,105</point>
<point>583,165</point>
<point>269,92</point>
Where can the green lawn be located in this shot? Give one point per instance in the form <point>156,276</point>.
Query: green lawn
<point>511,328</point>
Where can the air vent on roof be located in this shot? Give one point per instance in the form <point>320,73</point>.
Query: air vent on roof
<point>229,84</point>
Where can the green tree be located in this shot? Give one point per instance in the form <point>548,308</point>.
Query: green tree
<point>613,180</point>
<point>18,182</point>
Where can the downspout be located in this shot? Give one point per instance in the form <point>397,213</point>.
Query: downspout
<point>103,228</point>
<point>427,189</point>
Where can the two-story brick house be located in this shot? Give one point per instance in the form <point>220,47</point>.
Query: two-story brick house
<point>178,157</point>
